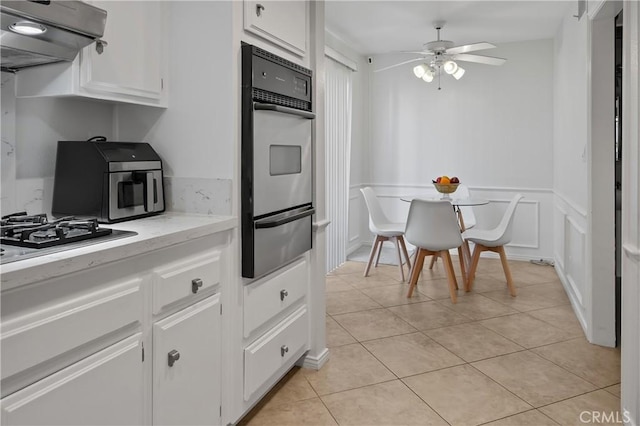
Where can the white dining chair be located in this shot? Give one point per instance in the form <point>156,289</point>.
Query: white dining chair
<point>384,230</point>
<point>493,240</point>
<point>466,218</point>
<point>433,228</point>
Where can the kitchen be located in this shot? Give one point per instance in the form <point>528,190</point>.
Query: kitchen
<point>202,116</point>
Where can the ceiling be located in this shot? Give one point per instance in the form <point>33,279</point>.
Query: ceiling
<point>384,26</point>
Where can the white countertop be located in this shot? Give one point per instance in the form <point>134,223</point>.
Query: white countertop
<point>154,233</point>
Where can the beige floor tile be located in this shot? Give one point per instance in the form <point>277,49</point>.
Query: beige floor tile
<point>596,364</point>
<point>477,307</point>
<point>533,378</point>
<point>464,396</point>
<point>308,412</point>
<point>411,354</point>
<point>292,387</point>
<point>380,280</point>
<point>473,342</point>
<point>599,407</point>
<point>336,335</point>
<point>485,283</point>
<point>373,324</point>
<point>348,367</point>
<point>561,317</point>
<point>438,288</point>
<point>526,330</point>
<point>335,283</point>
<point>614,390</point>
<point>394,295</point>
<point>349,268</point>
<point>528,298</point>
<point>428,315</point>
<point>390,403</point>
<point>528,418</point>
<point>349,301</point>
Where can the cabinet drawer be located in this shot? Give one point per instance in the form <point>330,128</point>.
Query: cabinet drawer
<point>35,338</point>
<point>274,352</point>
<point>265,299</point>
<point>185,278</point>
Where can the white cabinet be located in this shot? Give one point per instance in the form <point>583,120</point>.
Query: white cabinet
<point>284,23</point>
<point>106,388</point>
<point>132,67</point>
<point>186,366</point>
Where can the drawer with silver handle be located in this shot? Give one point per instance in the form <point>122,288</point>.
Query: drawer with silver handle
<point>265,299</point>
<point>185,279</point>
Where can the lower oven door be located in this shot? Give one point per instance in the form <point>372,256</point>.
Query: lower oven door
<point>278,239</point>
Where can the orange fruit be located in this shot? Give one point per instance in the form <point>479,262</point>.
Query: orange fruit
<point>445,180</point>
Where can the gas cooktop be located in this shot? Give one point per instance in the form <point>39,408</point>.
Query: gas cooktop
<point>25,236</point>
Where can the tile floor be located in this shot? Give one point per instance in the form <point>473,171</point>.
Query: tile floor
<point>489,359</point>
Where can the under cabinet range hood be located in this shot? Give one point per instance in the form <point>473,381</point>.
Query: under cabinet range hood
<point>38,32</point>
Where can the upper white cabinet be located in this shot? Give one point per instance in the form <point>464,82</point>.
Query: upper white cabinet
<point>132,67</point>
<point>284,23</point>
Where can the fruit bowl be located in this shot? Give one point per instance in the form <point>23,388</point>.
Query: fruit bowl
<point>446,188</point>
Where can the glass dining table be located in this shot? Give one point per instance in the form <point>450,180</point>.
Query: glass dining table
<point>465,252</point>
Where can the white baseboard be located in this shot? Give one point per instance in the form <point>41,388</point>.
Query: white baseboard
<point>315,362</point>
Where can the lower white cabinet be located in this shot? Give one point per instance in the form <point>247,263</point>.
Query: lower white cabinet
<point>186,365</point>
<point>106,388</point>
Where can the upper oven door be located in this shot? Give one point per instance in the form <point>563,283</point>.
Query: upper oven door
<point>281,158</point>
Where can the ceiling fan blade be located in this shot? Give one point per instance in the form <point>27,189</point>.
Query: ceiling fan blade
<point>469,48</point>
<point>488,60</point>
<point>398,64</point>
<point>419,52</point>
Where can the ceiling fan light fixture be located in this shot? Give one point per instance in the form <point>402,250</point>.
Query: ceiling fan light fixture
<point>420,70</point>
<point>450,67</point>
<point>428,76</point>
<point>458,73</point>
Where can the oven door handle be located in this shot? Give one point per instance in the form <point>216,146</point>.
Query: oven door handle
<point>284,218</point>
<point>285,110</point>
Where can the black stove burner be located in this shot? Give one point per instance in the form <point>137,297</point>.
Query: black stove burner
<point>22,230</point>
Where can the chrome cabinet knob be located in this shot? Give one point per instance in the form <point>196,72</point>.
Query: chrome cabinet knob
<point>283,294</point>
<point>259,9</point>
<point>173,357</point>
<point>196,283</point>
<point>283,350</point>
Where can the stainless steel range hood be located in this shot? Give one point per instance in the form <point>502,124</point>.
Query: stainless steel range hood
<point>69,25</point>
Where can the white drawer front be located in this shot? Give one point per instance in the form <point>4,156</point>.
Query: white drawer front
<point>265,299</point>
<point>184,279</point>
<point>275,351</point>
<point>30,340</point>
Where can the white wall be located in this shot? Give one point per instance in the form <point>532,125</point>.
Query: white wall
<point>493,129</point>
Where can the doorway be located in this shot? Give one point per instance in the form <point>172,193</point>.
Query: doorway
<point>618,172</point>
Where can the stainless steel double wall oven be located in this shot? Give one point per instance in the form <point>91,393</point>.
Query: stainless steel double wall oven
<point>276,176</point>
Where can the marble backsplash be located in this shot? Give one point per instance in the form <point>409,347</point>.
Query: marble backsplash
<point>187,195</point>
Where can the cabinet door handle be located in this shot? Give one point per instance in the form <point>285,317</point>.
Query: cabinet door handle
<point>196,283</point>
<point>259,9</point>
<point>283,294</point>
<point>283,350</point>
<point>173,357</point>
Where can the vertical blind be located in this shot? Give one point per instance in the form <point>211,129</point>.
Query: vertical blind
<point>338,153</point>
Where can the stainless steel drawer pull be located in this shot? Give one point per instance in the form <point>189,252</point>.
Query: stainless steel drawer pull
<point>259,9</point>
<point>283,350</point>
<point>196,283</point>
<point>283,294</point>
<point>173,357</point>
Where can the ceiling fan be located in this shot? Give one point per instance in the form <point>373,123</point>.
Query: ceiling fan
<point>441,55</point>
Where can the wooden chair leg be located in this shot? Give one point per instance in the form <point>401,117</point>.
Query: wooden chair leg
<point>404,250</point>
<point>382,240</point>
<point>373,253</point>
<point>463,268</point>
<point>417,268</point>
<point>451,276</point>
<point>507,271</point>
<point>433,261</point>
<point>474,265</point>
<point>397,243</point>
